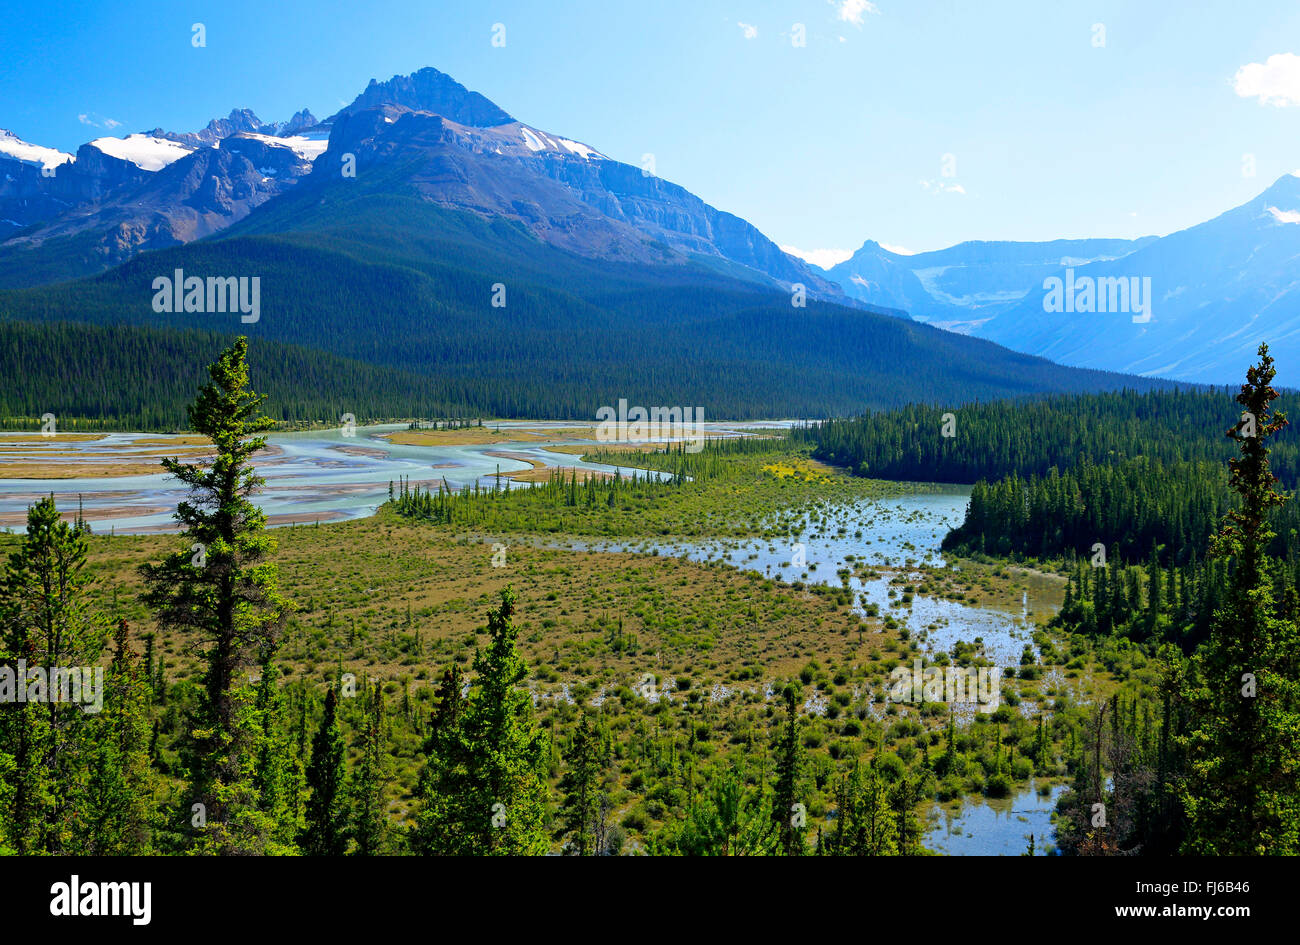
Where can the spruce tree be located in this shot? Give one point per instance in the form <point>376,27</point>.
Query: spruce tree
<point>585,766</point>
<point>1242,791</point>
<point>325,832</point>
<point>278,777</point>
<point>482,792</point>
<point>222,586</point>
<point>442,748</point>
<point>120,814</point>
<point>370,783</point>
<point>46,622</point>
<point>786,816</point>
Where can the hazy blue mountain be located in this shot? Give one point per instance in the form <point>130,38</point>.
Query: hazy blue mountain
<point>1217,290</point>
<point>964,285</point>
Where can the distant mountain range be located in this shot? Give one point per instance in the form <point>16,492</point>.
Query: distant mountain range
<point>423,229</point>
<point>63,217</point>
<point>1216,291</point>
<point>963,286</point>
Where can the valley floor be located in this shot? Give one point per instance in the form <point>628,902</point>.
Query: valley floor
<point>677,615</point>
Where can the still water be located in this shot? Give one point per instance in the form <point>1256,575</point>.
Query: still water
<point>330,476</point>
<point>319,476</point>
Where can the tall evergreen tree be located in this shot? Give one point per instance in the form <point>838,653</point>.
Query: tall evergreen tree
<point>1242,792</point>
<point>222,586</point>
<point>278,777</point>
<point>326,830</point>
<point>483,791</point>
<point>370,782</point>
<point>47,623</point>
<point>585,767</point>
<point>788,818</point>
<point>120,810</point>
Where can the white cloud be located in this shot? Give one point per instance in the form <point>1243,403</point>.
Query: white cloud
<point>95,121</point>
<point>748,30</point>
<point>898,250</point>
<point>1276,81</point>
<point>855,11</point>
<point>825,258</point>
<point>939,187</point>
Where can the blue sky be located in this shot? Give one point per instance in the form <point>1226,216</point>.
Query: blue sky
<point>917,124</point>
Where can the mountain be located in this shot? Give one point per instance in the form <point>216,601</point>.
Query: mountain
<point>39,183</point>
<point>429,90</point>
<point>370,270</point>
<point>515,271</point>
<point>477,156</point>
<point>567,193</point>
<point>239,120</point>
<point>963,286</point>
<point>64,217</point>
<point>18,151</point>
<point>1216,290</point>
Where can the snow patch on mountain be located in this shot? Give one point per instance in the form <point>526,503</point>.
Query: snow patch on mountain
<point>530,138</point>
<point>309,149</point>
<point>1284,216</point>
<point>144,151</point>
<point>15,147</point>
<point>536,141</point>
<point>581,150</point>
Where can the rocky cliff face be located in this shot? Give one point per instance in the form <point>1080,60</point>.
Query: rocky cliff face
<point>122,206</point>
<point>467,168</point>
<point>110,209</point>
<point>28,196</point>
<point>239,120</point>
<point>676,217</point>
<point>430,91</point>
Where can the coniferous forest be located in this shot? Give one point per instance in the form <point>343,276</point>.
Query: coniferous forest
<point>1191,608</point>
<point>835,429</point>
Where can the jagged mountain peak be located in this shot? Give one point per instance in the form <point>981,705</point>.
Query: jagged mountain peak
<point>432,91</point>
<point>1285,189</point>
<point>239,120</point>
<point>454,148</point>
<point>300,121</point>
